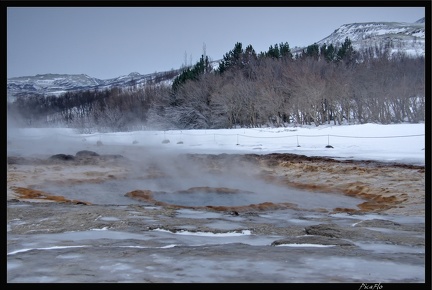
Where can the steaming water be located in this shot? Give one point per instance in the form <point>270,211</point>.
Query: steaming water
<point>167,190</point>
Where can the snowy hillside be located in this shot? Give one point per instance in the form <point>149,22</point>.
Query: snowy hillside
<point>399,37</point>
<point>56,84</point>
<point>49,83</point>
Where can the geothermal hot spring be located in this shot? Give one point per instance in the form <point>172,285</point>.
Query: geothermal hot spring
<point>193,181</point>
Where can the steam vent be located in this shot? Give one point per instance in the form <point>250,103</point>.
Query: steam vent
<point>224,183</point>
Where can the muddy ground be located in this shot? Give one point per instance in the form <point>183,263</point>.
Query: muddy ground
<point>53,237</point>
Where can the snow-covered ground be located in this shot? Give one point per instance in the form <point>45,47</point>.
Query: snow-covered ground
<point>390,143</point>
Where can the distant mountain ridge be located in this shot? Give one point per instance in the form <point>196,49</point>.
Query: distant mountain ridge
<point>401,37</point>
<point>56,84</point>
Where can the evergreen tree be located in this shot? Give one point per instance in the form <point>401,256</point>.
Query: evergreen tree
<point>284,50</point>
<point>273,52</point>
<point>201,67</point>
<point>328,52</point>
<point>232,58</point>
<point>312,51</point>
<point>249,55</point>
<point>346,52</point>
<point>278,51</point>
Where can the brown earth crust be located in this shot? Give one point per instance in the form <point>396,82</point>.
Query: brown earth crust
<point>385,187</point>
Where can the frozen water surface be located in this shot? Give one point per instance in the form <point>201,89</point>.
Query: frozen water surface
<point>181,255</point>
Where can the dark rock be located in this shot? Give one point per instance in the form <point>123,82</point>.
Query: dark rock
<point>64,157</point>
<point>327,230</point>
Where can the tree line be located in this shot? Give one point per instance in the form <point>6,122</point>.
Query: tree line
<point>321,85</point>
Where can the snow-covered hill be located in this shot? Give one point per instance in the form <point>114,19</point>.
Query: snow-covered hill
<point>399,37</point>
<point>49,84</point>
<point>57,84</point>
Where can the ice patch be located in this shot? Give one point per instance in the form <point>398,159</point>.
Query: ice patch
<point>47,248</point>
<point>305,245</point>
<point>207,234</point>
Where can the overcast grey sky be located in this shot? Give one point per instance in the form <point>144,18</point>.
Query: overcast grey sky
<point>107,42</point>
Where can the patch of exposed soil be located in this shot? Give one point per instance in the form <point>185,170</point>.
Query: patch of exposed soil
<point>387,187</point>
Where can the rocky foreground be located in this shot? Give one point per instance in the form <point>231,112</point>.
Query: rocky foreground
<point>54,238</point>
